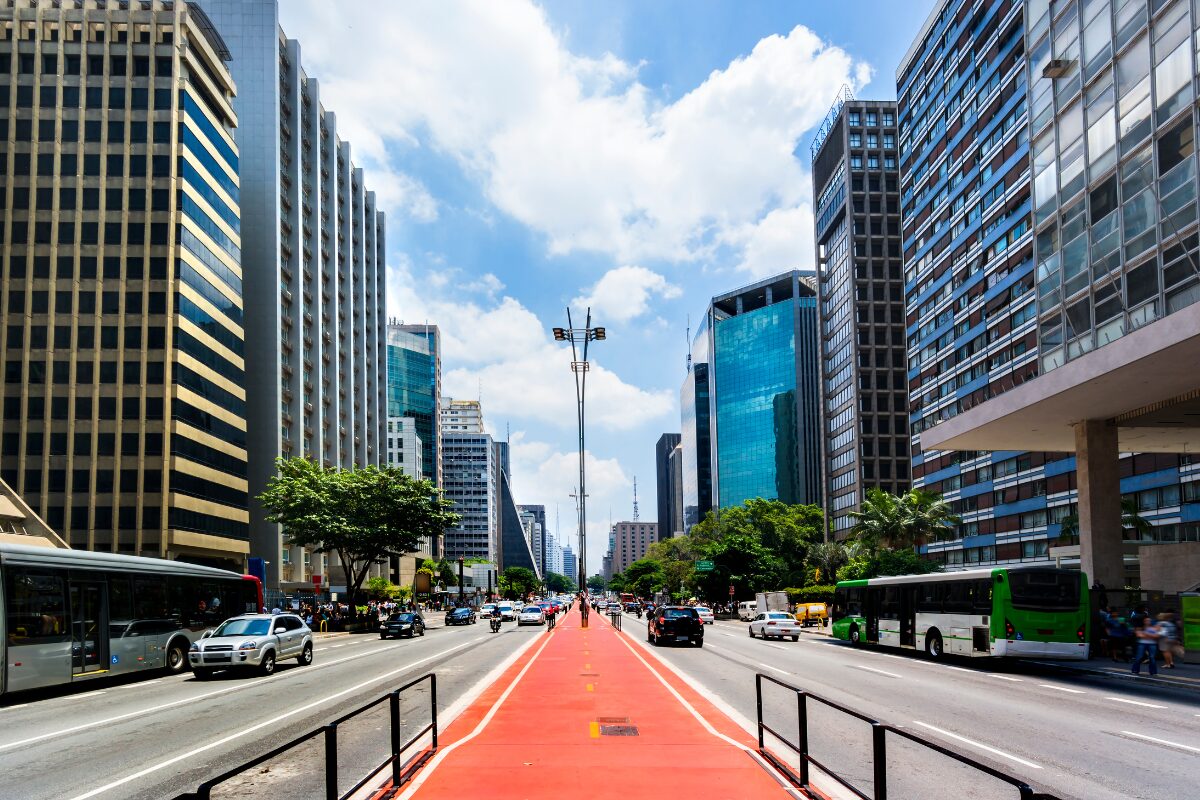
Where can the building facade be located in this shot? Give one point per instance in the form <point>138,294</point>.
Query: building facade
<point>630,541</point>
<point>696,436</point>
<point>764,392</point>
<point>471,480</point>
<point>461,416</point>
<point>539,535</point>
<point>570,563</point>
<point>314,273</point>
<point>405,449</point>
<point>668,523</point>
<point>860,294</point>
<point>120,247</point>
<point>414,388</point>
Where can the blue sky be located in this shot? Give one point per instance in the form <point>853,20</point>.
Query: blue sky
<point>638,156</point>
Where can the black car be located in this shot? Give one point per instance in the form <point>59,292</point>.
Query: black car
<point>461,616</point>
<point>675,624</point>
<point>399,625</point>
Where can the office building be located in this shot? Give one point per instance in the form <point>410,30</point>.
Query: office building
<point>860,294</point>
<point>461,416</point>
<point>471,480</point>
<point>404,447</point>
<point>1108,233</point>
<point>124,381</point>
<point>631,540</point>
<point>414,388</point>
<point>570,563</point>
<point>663,451</point>
<point>764,415</point>
<point>696,436</point>
<point>535,517</point>
<point>514,544</point>
<point>315,276</point>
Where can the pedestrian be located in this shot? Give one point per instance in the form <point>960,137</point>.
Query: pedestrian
<point>1147,645</point>
<point>1168,643</point>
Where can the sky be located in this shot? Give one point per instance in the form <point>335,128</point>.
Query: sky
<point>638,158</point>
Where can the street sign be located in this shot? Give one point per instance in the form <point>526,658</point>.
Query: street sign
<point>731,590</point>
<point>704,566</point>
<point>316,580</point>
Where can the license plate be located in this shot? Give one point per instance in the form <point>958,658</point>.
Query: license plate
<point>681,638</point>
<point>222,657</point>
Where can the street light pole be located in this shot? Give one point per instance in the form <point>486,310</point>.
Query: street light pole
<point>579,367</point>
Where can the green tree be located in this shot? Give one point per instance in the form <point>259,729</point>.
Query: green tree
<point>785,530</point>
<point>596,583</point>
<point>559,584</point>
<point>364,515</point>
<point>825,559</point>
<point>886,562</point>
<point>517,583</point>
<point>447,572</point>
<point>740,560</point>
<point>1131,520</point>
<point>888,521</point>
<point>380,588</point>
<point>615,584</point>
<point>644,577</point>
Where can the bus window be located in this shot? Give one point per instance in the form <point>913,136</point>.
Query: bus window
<point>150,602</point>
<point>930,597</point>
<point>1044,590</point>
<point>120,606</point>
<point>853,603</point>
<point>958,597</point>
<point>889,606</point>
<point>36,608</point>
<point>982,597</point>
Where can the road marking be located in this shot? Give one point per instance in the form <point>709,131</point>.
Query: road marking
<point>1005,677</point>
<point>777,669</point>
<point>1187,747</point>
<point>880,671</point>
<point>78,696</point>
<point>1134,702</point>
<point>957,669</point>
<point>268,723</point>
<point>1061,688</point>
<point>979,745</point>
<point>591,687</point>
<point>594,730</point>
<point>776,646</point>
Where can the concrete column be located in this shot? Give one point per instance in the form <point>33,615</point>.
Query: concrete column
<point>1098,474</point>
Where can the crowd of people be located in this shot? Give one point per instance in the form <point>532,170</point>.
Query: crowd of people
<point>1139,637</point>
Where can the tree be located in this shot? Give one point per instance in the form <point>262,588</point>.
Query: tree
<point>596,583</point>
<point>740,560</point>
<point>1131,519</point>
<point>886,562</point>
<point>644,577</point>
<point>447,573</point>
<point>825,559</point>
<point>928,518</point>
<point>380,588</point>
<point>363,515</point>
<point>616,583</point>
<point>517,583</point>
<point>888,521</point>
<point>559,584</point>
<point>785,530</point>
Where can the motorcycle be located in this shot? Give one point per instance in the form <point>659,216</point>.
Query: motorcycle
<point>495,624</point>
<point>639,612</point>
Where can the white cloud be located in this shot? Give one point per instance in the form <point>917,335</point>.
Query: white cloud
<point>577,148</point>
<point>780,241</point>
<point>624,293</point>
<point>501,349</point>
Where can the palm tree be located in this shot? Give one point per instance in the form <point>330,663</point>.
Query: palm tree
<point>826,558</point>
<point>927,518</point>
<point>902,522</point>
<point>1131,519</point>
<point>880,520</point>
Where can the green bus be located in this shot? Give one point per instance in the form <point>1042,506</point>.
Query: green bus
<point>1030,612</point>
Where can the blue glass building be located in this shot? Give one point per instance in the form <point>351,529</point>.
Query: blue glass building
<point>414,388</point>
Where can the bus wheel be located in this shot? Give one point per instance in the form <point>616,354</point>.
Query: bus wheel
<point>854,638</point>
<point>933,645</point>
<point>176,657</point>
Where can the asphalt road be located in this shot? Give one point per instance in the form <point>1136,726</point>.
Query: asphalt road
<point>1080,737</point>
<point>156,738</point>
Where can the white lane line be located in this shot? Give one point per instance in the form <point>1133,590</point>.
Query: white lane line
<point>956,669</point>
<point>1187,747</point>
<point>880,671</point>
<point>1134,702</point>
<point>1061,688</point>
<point>776,646</point>
<point>979,745</point>
<point>1005,677</point>
<point>163,706</point>
<point>777,669</point>
<point>268,723</point>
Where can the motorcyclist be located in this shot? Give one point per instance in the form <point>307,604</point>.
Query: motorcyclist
<point>496,619</point>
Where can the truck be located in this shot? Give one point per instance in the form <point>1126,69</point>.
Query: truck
<point>771,601</point>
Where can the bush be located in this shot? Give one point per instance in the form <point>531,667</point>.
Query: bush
<point>817,593</point>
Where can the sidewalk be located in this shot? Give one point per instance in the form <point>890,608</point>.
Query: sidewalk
<point>583,714</point>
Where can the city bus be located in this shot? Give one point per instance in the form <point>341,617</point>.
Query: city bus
<point>1018,611</point>
<point>71,615</point>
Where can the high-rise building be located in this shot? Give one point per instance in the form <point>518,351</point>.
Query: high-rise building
<point>864,391</point>
<point>631,540</point>
<point>471,480</point>
<point>570,564</point>
<point>541,536</point>
<point>414,388</point>
<point>514,544</point>
<point>1087,365</point>
<point>696,436</point>
<point>663,450</point>
<point>404,447</point>
<point>461,416</point>
<point>124,382</point>
<point>675,475</point>
<point>315,273</point>
<point>764,392</point>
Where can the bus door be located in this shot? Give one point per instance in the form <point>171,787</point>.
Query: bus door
<point>89,628</point>
<point>871,598</point>
<point>908,616</point>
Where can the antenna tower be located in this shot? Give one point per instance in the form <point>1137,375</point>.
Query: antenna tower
<point>635,503</point>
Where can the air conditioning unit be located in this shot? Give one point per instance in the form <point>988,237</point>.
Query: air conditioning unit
<point>1057,67</point>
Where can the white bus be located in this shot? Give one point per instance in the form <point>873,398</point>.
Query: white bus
<point>72,615</point>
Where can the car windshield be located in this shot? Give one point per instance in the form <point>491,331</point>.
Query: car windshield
<point>461,612</point>
<point>400,618</point>
<point>673,613</point>
<point>703,610</point>
<point>244,627</point>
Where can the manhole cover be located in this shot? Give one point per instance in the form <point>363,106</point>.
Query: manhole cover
<point>611,720</point>
<point>618,730</point>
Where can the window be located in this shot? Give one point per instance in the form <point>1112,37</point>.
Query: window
<point>36,608</point>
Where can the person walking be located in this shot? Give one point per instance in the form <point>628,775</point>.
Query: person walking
<point>583,611</point>
<point>1168,642</point>
<point>1147,635</point>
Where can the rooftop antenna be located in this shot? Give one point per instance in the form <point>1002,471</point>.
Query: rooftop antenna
<point>635,503</point>
<point>688,342</point>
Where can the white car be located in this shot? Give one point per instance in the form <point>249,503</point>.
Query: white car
<point>531,615</point>
<point>255,641</point>
<point>507,612</point>
<point>775,623</point>
<point>486,609</point>
<point>706,615</point>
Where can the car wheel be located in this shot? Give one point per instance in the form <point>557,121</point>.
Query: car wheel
<point>422,630</point>
<point>202,673</point>
<point>795,638</point>
<point>649,635</point>
<point>383,636</point>
<point>268,664</point>
<point>933,645</point>
<point>854,635</point>
<point>305,655</point>
<point>750,629</point>
<point>176,658</point>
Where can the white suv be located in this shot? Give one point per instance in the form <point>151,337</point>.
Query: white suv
<point>252,640</point>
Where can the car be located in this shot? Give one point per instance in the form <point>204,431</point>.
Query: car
<point>486,609</point>
<point>252,641</point>
<point>461,616</point>
<point>548,608</point>
<point>675,624</point>
<point>775,623</point>
<point>747,610</point>
<point>631,608</point>
<point>531,615</point>
<point>402,624</point>
<point>706,615</point>
<point>507,612</point>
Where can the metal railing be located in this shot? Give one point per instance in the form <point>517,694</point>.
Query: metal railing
<point>879,732</point>
<point>400,773</point>
<point>615,618</point>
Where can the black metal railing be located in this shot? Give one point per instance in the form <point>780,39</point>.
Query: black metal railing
<point>401,772</point>
<point>615,618</point>
<point>879,732</point>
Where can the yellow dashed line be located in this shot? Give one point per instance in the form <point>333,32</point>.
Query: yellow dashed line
<point>594,730</point>
<point>591,688</point>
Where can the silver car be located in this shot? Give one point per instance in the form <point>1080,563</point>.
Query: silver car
<point>257,641</point>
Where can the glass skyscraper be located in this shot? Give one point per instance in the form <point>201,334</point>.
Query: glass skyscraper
<point>694,400</point>
<point>414,387</point>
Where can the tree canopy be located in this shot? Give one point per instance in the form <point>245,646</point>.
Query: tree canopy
<point>363,515</point>
<point>517,583</point>
<point>896,522</point>
<point>558,583</point>
<point>596,583</point>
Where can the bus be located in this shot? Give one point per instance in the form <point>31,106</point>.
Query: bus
<point>71,615</point>
<point>1033,612</point>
